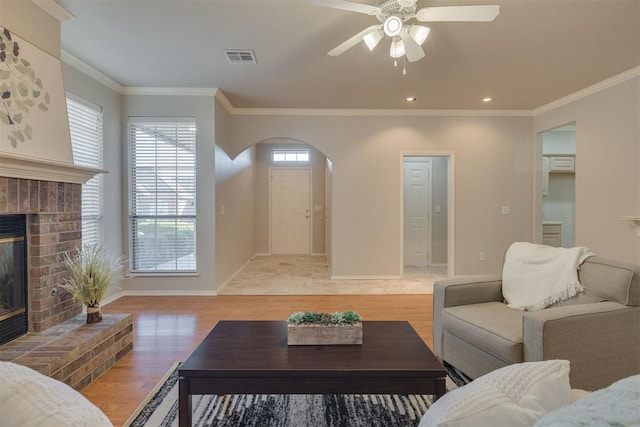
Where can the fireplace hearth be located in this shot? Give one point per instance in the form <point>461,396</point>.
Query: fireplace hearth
<point>14,320</point>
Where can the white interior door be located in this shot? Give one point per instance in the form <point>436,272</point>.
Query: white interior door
<point>417,211</point>
<point>290,211</point>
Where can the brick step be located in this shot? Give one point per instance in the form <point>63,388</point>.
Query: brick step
<point>74,352</point>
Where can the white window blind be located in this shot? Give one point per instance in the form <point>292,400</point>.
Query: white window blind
<point>85,126</point>
<point>162,194</point>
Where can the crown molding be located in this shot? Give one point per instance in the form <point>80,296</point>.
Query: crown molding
<point>170,91</point>
<point>604,84</point>
<point>225,102</point>
<point>87,69</point>
<point>376,112</point>
<point>54,9</point>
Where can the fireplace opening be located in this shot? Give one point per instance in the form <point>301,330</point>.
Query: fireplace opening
<point>13,277</point>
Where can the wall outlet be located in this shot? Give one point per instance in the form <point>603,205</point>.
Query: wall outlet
<point>506,210</point>
<point>438,209</point>
<point>483,256</point>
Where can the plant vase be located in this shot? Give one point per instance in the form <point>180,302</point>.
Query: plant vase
<point>94,314</point>
<point>314,334</point>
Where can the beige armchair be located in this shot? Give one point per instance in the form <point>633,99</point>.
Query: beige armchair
<point>598,330</point>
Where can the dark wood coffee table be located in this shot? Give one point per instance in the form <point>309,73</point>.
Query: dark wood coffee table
<point>252,357</point>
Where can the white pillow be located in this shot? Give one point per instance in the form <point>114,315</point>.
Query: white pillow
<point>28,398</point>
<point>516,395</point>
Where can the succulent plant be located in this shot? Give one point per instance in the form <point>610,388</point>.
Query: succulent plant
<point>296,318</point>
<point>311,317</point>
<point>351,317</point>
<point>337,317</point>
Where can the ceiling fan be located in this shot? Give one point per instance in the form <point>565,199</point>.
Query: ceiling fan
<point>406,38</point>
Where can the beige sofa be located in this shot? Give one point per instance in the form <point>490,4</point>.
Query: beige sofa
<point>598,330</point>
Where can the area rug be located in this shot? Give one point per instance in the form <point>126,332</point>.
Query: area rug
<point>275,410</point>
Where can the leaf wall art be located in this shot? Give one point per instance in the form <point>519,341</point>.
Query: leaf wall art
<point>33,115</point>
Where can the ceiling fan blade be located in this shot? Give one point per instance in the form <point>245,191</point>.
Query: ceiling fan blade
<point>348,44</point>
<point>348,5</point>
<point>486,13</point>
<point>412,49</point>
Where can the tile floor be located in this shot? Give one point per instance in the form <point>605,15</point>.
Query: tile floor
<point>309,275</point>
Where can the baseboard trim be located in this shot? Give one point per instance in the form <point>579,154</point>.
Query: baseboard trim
<point>172,292</point>
<point>112,298</point>
<point>226,282</point>
<point>155,293</point>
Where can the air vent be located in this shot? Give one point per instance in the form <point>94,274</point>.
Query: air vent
<point>240,56</point>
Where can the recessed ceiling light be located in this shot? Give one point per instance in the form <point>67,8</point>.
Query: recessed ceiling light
<point>411,99</point>
<point>487,99</point>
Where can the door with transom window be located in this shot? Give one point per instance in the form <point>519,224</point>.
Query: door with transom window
<point>290,191</point>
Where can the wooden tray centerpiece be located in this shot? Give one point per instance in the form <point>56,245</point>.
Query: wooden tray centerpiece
<point>311,328</point>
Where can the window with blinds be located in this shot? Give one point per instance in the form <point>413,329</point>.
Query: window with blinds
<point>162,194</point>
<point>85,126</point>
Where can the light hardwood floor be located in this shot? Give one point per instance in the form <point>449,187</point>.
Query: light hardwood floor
<point>167,329</point>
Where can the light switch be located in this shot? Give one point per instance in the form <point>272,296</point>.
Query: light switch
<point>317,208</point>
<point>222,210</point>
<point>437,208</point>
<point>506,210</point>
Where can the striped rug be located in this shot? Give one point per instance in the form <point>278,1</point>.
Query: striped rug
<point>348,410</point>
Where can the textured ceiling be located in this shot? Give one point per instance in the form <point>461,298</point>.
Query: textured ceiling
<point>535,52</point>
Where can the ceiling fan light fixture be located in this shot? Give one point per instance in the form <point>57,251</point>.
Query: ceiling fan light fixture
<point>419,33</point>
<point>372,39</point>
<point>397,48</point>
<point>392,26</point>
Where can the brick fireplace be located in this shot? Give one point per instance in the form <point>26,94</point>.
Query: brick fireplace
<point>59,342</point>
<point>54,226</point>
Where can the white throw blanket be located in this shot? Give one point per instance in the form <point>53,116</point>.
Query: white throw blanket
<point>536,276</point>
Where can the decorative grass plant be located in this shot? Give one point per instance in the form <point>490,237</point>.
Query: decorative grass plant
<point>92,271</point>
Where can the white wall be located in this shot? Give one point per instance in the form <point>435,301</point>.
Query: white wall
<point>235,212</point>
<point>114,181</point>
<point>203,109</point>
<point>329,211</point>
<point>235,183</point>
<point>493,168</point>
<point>607,165</point>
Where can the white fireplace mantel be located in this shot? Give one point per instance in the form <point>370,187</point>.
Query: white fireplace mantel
<point>15,166</point>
